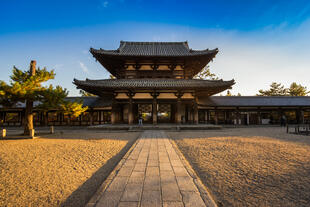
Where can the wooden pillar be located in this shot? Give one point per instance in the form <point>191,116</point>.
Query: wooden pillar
<point>100,115</point>
<point>20,118</point>
<point>195,111</point>
<point>189,113</point>
<point>113,114</point>
<point>280,114</point>
<point>91,118</point>
<point>299,116</point>
<point>238,116</point>
<point>179,105</point>
<point>114,110</point>
<point>154,107</point>
<point>216,116</point>
<point>130,108</point>
<point>259,119</point>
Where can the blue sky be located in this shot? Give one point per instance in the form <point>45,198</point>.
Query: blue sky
<point>259,41</point>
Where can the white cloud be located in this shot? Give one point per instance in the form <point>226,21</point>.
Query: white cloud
<point>83,67</point>
<point>58,66</point>
<point>105,4</point>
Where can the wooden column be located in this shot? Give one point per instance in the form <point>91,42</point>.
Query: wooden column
<point>130,108</point>
<point>114,110</point>
<point>195,110</point>
<point>280,113</point>
<point>216,120</point>
<point>238,115</point>
<point>259,119</point>
<point>178,111</point>
<point>299,116</point>
<point>91,118</point>
<point>154,107</point>
<point>189,113</point>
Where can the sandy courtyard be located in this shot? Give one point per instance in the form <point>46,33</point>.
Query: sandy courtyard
<point>62,169</point>
<point>250,166</point>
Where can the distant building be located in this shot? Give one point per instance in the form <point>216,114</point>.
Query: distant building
<point>155,80</point>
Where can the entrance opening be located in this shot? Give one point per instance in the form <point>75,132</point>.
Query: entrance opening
<point>145,110</point>
<point>164,113</point>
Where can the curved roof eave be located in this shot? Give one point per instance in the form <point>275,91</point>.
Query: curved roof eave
<point>112,84</point>
<point>116,53</point>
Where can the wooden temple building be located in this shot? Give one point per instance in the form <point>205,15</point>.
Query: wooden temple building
<point>154,80</point>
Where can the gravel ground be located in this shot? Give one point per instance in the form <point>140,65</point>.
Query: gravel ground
<point>63,169</point>
<point>250,166</point>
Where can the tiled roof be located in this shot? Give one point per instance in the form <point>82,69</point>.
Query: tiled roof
<point>153,83</point>
<point>162,49</point>
<point>91,101</point>
<point>255,101</point>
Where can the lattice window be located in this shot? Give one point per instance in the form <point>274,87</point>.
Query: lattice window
<point>145,108</point>
<point>164,108</point>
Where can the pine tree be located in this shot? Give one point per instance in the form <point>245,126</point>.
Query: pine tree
<point>85,94</point>
<point>297,90</point>
<point>228,93</point>
<point>276,89</point>
<point>26,87</point>
<point>206,74</point>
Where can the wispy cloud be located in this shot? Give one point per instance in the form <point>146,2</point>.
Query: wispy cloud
<point>83,67</point>
<point>254,59</point>
<point>58,66</point>
<point>104,4</point>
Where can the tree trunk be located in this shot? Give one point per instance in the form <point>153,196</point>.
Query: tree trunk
<point>28,118</point>
<point>28,123</point>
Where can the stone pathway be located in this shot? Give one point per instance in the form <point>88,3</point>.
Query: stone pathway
<point>152,175</point>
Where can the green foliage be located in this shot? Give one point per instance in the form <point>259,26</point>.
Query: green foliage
<point>52,98</point>
<point>228,93</point>
<point>276,89</point>
<point>86,94</point>
<point>297,90</point>
<point>206,74</point>
<point>73,109</point>
<point>23,86</point>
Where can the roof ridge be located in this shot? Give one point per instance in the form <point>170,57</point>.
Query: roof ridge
<point>152,42</point>
<point>121,46</point>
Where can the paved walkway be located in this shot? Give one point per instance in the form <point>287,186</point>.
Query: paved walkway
<point>152,175</point>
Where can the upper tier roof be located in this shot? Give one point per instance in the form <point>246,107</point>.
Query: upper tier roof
<point>156,49</point>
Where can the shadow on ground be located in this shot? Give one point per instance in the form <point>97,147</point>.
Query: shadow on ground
<point>83,194</point>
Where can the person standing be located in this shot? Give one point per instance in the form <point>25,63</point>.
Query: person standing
<point>140,120</point>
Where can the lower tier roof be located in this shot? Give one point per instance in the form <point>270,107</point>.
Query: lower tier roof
<point>209,86</point>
